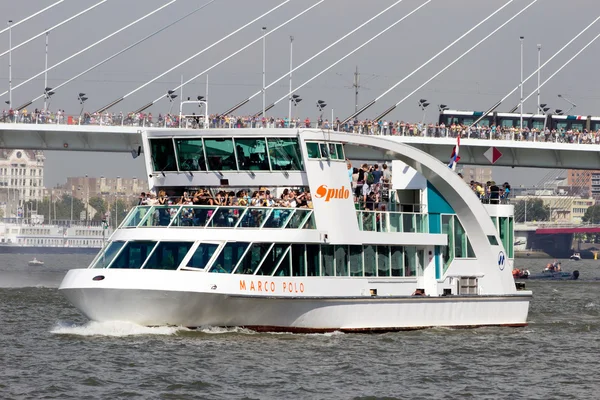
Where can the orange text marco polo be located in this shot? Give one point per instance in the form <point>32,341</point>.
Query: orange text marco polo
<point>331,193</point>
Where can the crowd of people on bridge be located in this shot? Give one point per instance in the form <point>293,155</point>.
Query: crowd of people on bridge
<point>366,126</point>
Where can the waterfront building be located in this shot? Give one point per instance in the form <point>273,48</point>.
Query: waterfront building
<point>21,179</point>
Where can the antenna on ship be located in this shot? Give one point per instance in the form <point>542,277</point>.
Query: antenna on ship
<point>31,16</point>
<point>353,51</point>
<point>390,109</point>
<point>191,58</point>
<point>485,114</point>
<point>119,53</point>
<point>92,45</point>
<point>240,104</point>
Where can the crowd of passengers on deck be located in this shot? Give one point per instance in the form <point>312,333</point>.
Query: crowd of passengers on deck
<point>491,193</point>
<point>365,126</point>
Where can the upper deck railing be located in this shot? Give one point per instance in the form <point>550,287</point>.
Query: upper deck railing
<point>234,217</point>
<point>366,127</point>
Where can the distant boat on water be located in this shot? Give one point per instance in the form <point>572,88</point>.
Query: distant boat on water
<point>35,263</point>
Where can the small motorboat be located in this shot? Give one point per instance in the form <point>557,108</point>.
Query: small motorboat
<point>553,271</point>
<point>575,257</point>
<point>35,263</point>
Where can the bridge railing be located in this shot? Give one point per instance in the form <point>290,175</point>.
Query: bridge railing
<point>362,127</point>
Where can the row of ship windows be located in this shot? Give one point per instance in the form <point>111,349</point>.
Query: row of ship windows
<point>226,154</point>
<point>267,259</point>
<point>220,217</point>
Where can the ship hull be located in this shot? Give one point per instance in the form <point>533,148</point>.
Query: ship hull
<point>208,300</point>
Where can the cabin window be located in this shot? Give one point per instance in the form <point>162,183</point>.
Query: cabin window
<point>278,251</point>
<point>133,255</point>
<point>298,260</point>
<point>163,155</point>
<point>252,258</point>
<point>333,151</point>
<point>460,240</point>
<point>410,261</point>
<point>327,258</point>
<point>283,269</point>
<point>219,154</point>
<point>511,237</point>
<point>383,260</point>
<point>190,154</point>
<point>229,257</point>
<point>356,264</point>
<point>104,259</point>
<point>252,154</point>
<point>299,218</point>
<point>312,149</point>
<point>285,154</point>
<point>467,285</point>
<point>341,260</point>
<point>202,255</point>
<point>168,255</point>
<point>340,151</point>
<point>226,217</point>
<point>313,260</point>
<point>397,261</point>
<point>370,260</point>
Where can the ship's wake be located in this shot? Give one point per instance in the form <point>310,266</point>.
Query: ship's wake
<point>112,329</point>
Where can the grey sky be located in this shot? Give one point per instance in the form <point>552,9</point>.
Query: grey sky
<point>476,82</point>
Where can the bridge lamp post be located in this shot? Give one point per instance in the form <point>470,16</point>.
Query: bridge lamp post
<point>320,106</point>
<point>81,97</point>
<point>47,93</point>
<point>295,100</point>
<point>423,104</point>
<point>521,38</point>
<point>573,105</point>
<point>10,63</point>
<point>264,66</point>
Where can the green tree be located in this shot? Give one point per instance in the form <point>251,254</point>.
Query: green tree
<point>536,210</point>
<point>592,215</point>
<point>55,208</point>
<point>100,206</point>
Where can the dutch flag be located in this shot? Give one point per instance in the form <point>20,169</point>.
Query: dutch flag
<point>454,158</point>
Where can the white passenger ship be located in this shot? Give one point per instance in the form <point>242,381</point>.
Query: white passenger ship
<point>331,267</point>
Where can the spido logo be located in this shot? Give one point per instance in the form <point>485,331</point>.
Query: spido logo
<point>331,193</point>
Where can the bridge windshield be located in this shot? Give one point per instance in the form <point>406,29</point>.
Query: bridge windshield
<point>226,154</point>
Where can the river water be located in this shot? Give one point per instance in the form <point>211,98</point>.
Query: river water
<point>49,351</point>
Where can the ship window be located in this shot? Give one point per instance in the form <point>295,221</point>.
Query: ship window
<point>370,259</point>
<point>168,255</point>
<point>284,265</point>
<point>383,260</point>
<point>106,257</point>
<point>313,260</point>
<point>327,260</point>
<point>356,268</point>
<point>229,257</point>
<point>312,149</point>
<point>340,151</point>
<point>272,259</point>
<point>252,154</point>
<point>226,217</point>
<point>511,238</point>
<point>410,261</point>
<point>298,260</point>
<point>133,255</point>
<point>252,258</point>
<point>447,229</point>
<point>460,240</point>
<point>504,231</point>
<point>163,155</point>
<point>135,216</point>
<point>397,261</point>
<point>219,154</point>
<point>341,260</point>
<point>297,220</point>
<point>190,154</point>
<point>324,150</point>
<point>333,151</point>
<point>467,285</point>
<point>285,154</point>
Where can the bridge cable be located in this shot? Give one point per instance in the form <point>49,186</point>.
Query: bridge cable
<point>486,113</point>
<point>54,27</point>
<point>350,53</point>
<point>54,89</point>
<point>240,104</point>
<point>358,112</point>
<point>565,64</point>
<point>243,48</point>
<point>187,60</point>
<point>92,45</point>
<point>387,111</point>
<point>31,16</point>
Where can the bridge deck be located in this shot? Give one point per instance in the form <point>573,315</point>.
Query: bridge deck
<point>128,138</point>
